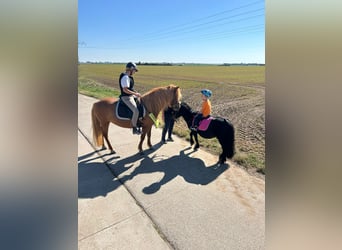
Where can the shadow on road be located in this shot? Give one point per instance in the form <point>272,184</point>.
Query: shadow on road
<point>94,179</point>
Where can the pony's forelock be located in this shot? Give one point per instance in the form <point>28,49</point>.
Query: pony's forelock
<point>178,93</point>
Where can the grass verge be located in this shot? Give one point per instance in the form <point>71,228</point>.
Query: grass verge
<point>94,89</point>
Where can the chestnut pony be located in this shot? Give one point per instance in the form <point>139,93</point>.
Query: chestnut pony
<point>157,99</point>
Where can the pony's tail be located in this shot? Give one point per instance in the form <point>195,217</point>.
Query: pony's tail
<point>231,141</point>
<point>97,131</point>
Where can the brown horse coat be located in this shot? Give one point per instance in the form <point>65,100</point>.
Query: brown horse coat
<point>157,99</point>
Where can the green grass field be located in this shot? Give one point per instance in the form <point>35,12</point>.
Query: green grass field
<point>238,95</point>
<point>187,76</point>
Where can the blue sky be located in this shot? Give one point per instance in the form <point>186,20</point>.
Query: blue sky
<point>190,31</point>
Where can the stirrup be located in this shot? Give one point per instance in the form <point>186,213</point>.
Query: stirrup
<point>136,131</point>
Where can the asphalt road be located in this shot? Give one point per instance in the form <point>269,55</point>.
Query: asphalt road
<point>169,198</point>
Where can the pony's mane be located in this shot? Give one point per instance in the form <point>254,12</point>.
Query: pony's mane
<point>188,107</point>
<point>153,91</point>
<point>157,98</point>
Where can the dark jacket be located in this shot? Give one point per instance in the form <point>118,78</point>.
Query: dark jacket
<point>131,85</point>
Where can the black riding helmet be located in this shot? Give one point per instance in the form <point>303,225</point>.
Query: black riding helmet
<point>131,66</point>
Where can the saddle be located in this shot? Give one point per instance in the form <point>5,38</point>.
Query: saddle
<point>123,112</point>
<point>204,124</point>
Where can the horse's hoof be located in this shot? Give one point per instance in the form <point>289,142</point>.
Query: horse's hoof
<point>151,148</point>
<point>103,148</point>
<point>112,152</point>
<point>141,153</point>
<point>217,166</point>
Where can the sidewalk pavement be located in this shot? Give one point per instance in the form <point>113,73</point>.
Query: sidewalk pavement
<point>169,198</point>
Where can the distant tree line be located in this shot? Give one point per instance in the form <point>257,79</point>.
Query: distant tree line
<point>156,64</point>
<point>242,64</point>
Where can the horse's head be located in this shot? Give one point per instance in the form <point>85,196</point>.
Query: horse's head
<point>184,110</point>
<point>176,97</point>
<point>160,98</point>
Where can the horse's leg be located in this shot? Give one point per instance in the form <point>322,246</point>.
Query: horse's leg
<point>222,158</point>
<point>105,127</point>
<point>223,155</point>
<point>196,139</point>
<point>142,138</point>
<point>191,139</point>
<point>149,138</point>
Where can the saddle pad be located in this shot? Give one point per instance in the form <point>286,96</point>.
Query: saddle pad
<point>125,113</point>
<point>204,124</point>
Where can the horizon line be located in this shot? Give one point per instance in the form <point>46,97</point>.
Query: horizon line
<point>146,63</point>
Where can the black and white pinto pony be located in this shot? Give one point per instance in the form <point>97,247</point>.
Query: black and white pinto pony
<point>219,127</point>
